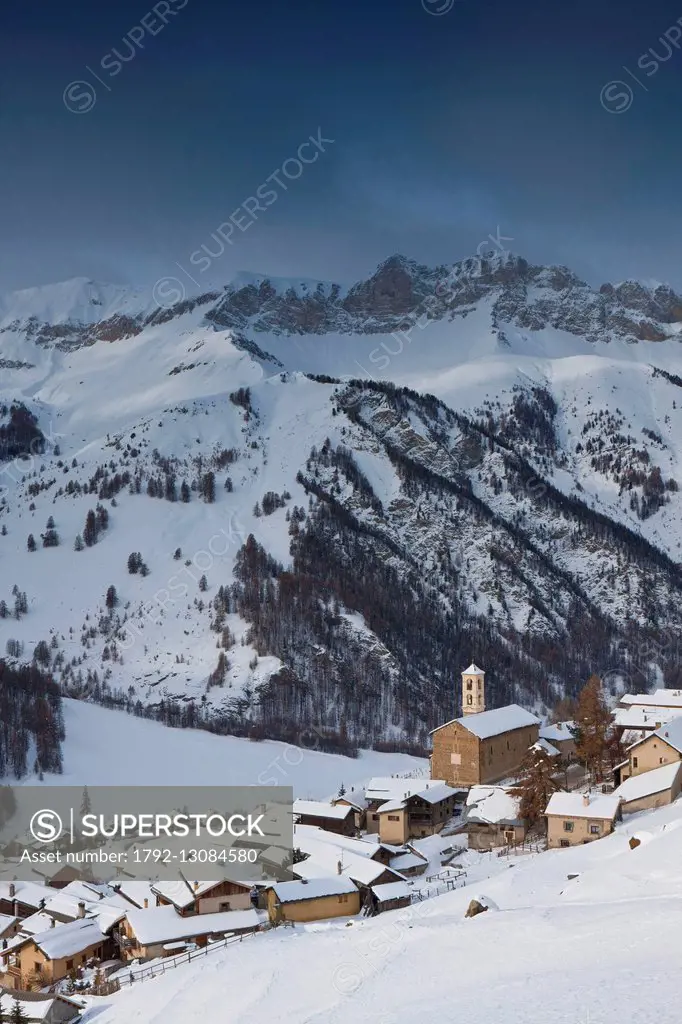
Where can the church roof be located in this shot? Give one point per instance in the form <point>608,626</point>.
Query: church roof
<point>473,670</point>
<point>492,723</point>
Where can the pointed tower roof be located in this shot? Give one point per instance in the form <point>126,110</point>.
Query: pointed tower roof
<point>473,670</point>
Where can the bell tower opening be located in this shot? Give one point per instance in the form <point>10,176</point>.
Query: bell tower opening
<point>473,690</point>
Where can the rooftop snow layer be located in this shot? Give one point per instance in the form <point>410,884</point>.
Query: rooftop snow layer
<point>397,788</point>
<point>670,733</point>
<point>492,723</point>
<point>648,783</point>
<point>68,939</point>
<point>491,805</point>
<point>164,924</point>
<point>557,732</point>
<point>320,809</point>
<point>392,891</point>
<point>572,805</point>
<point>315,888</point>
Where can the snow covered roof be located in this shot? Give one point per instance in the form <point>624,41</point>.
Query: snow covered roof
<point>473,670</point>
<point>405,861</point>
<point>396,788</point>
<point>180,894</point>
<point>571,805</point>
<point>648,783</point>
<point>670,733</point>
<point>320,809</point>
<point>661,698</point>
<point>69,939</point>
<point>491,805</point>
<point>136,892</point>
<point>392,891</point>
<point>36,923</point>
<point>543,744</point>
<point>36,1005</point>
<point>557,732</point>
<point>315,888</point>
<point>361,870</point>
<point>644,716</point>
<point>492,723</point>
<point>7,920</point>
<point>432,794</point>
<point>308,836</point>
<point>28,893</point>
<point>325,854</point>
<point>164,924</point>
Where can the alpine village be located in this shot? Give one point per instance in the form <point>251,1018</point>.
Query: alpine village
<point>501,784</point>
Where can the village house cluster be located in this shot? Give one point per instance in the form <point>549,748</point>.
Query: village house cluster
<point>368,850</point>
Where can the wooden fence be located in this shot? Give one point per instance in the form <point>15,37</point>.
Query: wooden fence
<point>171,962</point>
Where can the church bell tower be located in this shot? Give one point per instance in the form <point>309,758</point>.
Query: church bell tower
<point>473,690</point>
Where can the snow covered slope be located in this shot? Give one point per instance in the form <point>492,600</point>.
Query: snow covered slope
<point>528,514</point>
<point>591,950</point>
<point>96,736</point>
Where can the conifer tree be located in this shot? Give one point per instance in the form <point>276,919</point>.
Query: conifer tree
<point>535,785</point>
<point>593,727</point>
<point>17,1014</point>
<point>31,542</point>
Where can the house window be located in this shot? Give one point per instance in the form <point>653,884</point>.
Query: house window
<point>375,817</point>
<point>69,965</point>
<point>568,826</point>
<point>37,968</point>
<point>469,699</point>
<point>660,760</point>
<point>595,830</point>
<point>469,685</point>
<point>455,758</point>
<point>634,762</point>
<point>394,817</point>
<point>343,898</point>
<point>564,842</point>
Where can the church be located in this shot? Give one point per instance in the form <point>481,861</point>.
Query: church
<point>482,746</point>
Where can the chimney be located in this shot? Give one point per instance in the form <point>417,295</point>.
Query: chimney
<point>339,867</point>
<point>81,909</point>
<point>52,922</point>
<point>586,799</point>
<point>196,886</point>
<point>146,903</point>
<point>12,890</point>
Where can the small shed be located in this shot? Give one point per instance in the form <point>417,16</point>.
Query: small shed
<point>391,896</point>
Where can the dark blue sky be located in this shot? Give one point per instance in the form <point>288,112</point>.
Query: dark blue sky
<point>444,126</point>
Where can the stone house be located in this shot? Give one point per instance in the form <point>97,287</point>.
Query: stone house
<point>203,897</point>
<point>656,788</point>
<point>484,746</point>
<point>38,961</point>
<point>664,746</point>
<point>560,735</point>
<point>332,817</point>
<point>312,899</point>
<point>576,818</point>
<point>420,814</point>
